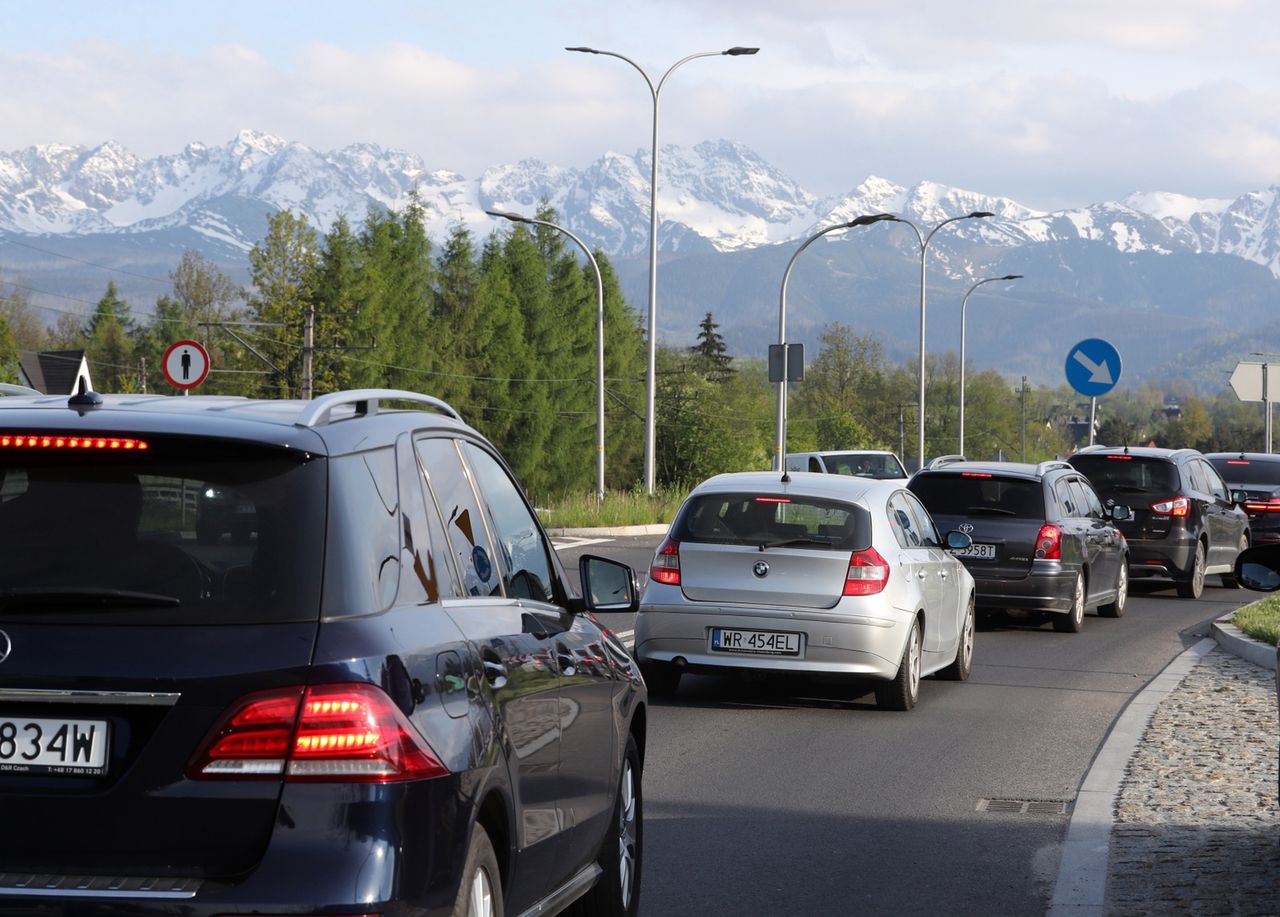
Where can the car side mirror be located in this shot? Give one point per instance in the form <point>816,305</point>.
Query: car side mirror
<point>1239,496</point>
<point>608,585</point>
<point>958,541</point>
<point>1121,513</point>
<point>1259,568</point>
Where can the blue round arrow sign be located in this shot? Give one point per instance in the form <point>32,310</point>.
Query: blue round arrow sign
<point>1093,367</point>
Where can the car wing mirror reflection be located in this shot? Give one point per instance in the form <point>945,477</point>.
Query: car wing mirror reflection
<point>1259,568</point>
<point>958,541</point>
<point>1121,513</point>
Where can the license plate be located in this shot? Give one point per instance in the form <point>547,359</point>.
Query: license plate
<point>978,551</point>
<point>760,642</point>
<point>75,748</point>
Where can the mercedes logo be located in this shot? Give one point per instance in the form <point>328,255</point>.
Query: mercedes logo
<point>5,646</point>
<point>966,527</point>
<point>761,568</point>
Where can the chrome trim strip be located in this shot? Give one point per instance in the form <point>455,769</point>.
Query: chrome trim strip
<point>46,885</point>
<point>566,894</point>
<point>54,696</point>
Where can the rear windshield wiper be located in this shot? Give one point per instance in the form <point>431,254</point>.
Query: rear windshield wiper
<point>793,542</point>
<point>86,597</point>
<point>992,510</point>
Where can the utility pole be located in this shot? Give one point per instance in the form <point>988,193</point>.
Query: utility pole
<point>1023,399</point>
<point>308,349</point>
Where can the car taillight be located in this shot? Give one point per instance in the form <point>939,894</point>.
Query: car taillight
<point>1049,543</point>
<point>666,563</point>
<point>868,573</point>
<point>1264,506</point>
<point>346,733</point>
<point>45,441</point>
<point>1178,506</point>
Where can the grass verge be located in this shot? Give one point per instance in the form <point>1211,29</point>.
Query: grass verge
<point>619,507</point>
<point>1261,620</point>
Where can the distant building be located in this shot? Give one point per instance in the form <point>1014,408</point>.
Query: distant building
<point>54,372</point>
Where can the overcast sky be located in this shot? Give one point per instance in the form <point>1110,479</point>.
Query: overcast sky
<point>1054,104</point>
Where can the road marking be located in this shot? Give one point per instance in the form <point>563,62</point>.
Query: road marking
<point>565,543</point>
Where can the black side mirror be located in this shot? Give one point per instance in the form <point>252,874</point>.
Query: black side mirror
<point>958,541</point>
<point>1259,568</point>
<point>1239,496</point>
<point>1121,513</point>
<point>608,585</point>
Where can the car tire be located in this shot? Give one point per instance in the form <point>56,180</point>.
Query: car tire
<point>1115,608</point>
<point>1073,621</point>
<point>480,894</point>
<point>904,690</point>
<point>617,893</point>
<point>962,665</point>
<point>1193,586</point>
<point>661,678</point>
<point>1229,579</point>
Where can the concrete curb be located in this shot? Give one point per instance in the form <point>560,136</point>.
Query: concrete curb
<point>1234,640</point>
<point>658,529</point>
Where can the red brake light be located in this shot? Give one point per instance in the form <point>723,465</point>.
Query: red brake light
<point>1121,458</point>
<point>974,474</point>
<point>1265,506</point>
<point>1178,506</point>
<point>868,573</point>
<point>43,441</point>
<point>1049,543</point>
<point>350,733</point>
<point>1237,462</point>
<point>773,499</point>
<point>666,563</point>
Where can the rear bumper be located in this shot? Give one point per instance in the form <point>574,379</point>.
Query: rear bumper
<point>1049,586</point>
<point>1170,557</point>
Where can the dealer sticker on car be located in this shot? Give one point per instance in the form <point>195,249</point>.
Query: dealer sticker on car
<point>765,643</point>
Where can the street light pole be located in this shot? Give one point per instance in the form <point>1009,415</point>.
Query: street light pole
<point>518,218</point>
<point>924,250</point>
<point>780,447</point>
<point>964,303</point>
<point>651,386</point>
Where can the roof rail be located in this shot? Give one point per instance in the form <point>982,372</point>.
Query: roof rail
<point>1052,464</point>
<point>944,460</point>
<point>365,400</point>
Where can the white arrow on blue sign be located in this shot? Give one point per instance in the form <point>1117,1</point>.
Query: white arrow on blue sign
<point>1093,367</point>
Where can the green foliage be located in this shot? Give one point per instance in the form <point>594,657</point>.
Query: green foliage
<point>108,345</point>
<point>1260,620</point>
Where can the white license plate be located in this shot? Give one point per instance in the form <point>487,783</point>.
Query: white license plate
<point>53,746</point>
<point>980,551</point>
<point>760,642</point>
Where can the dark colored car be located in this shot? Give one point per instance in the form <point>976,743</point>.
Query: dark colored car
<point>1042,539</point>
<point>1258,475</point>
<point>387,698</point>
<point>1186,523</point>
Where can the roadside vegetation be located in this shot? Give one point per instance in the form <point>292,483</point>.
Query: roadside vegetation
<point>633,507</point>
<point>1261,620</point>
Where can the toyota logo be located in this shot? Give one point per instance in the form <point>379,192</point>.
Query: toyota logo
<point>5,646</point>
<point>966,527</point>
<point>760,569</point>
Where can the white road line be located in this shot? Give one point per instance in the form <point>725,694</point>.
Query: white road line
<point>567,542</point>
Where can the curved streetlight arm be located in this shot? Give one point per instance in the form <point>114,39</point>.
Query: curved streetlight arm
<point>780,447</point>
<point>964,304</point>
<point>520,218</point>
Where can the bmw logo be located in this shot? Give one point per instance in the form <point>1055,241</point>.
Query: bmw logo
<point>966,527</point>
<point>760,569</point>
<point>6,645</point>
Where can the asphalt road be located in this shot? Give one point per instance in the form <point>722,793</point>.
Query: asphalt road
<point>785,798</point>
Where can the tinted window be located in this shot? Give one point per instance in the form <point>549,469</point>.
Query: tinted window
<point>215,533</point>
<point>426,573</point>
<point>1068,501</point>
<point>468,537</point>
<point>902,522</point>
<point>970,494</point>
<point>1215,483</point>
<point>524,554</point>
<point>1092,501</point>
<point>362,570</point>
<point>924,524</point>
<point>753,519</point>
<point>1247,471</point>
<point>1199,481</point>
<point>1115,475</point>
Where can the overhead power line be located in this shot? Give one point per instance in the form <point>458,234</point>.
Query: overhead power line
<point>106,267</point>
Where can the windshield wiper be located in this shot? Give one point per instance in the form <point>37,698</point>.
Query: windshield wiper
<point>792,542</point>
<point>85,597</point>
<point>992,510</point>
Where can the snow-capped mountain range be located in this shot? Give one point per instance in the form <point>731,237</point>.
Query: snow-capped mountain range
<point>718,196</point>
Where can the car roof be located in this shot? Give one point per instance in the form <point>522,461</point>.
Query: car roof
<point>806,483</point>
<point>1003,469</point>
<point>1246,456</point>
<point>845,452</point>
<point>1155,452</point>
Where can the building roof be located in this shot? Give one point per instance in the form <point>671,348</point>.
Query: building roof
<point>53,372</point>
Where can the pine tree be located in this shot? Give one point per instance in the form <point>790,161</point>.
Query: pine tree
<point>109,347</point>
<point>284,268</point>
<point>711,356</point>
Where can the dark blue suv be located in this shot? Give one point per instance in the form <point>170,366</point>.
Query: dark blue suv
<point>379,693</point>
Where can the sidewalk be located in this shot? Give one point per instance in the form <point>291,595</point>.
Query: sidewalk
<point>1179,813</point>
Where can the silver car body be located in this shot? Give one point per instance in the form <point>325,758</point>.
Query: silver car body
<point>799,591</point>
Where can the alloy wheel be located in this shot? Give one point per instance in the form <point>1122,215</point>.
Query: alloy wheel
<point>480,903</point>
<point>627,835</point>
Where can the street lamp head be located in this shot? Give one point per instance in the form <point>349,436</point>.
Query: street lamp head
<point>737,51</point>
<point>870,218</point>
<point>584,50</point>
<point>1011,277</point>
<point>980,213</point>
<point>505,215</point>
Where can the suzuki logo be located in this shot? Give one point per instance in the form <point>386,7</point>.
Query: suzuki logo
<point>966,527</point>
<point>6,645</point>
<point>761,569</point>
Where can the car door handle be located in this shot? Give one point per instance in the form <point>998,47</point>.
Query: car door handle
<point>495,673</point>
<point>942,573</point>
<point>565,660</point>
<point>922,574</point>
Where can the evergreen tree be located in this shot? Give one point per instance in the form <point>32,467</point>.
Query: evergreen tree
<point>342,358</point>
<point>109,347</point>
<point>170,324</point>
<point>284,268</point>
<point>9,356</point>
<point>711,356</point>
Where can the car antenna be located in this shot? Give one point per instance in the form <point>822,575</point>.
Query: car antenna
<point>786,478</point>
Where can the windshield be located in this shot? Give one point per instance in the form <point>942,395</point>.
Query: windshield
<point>756,519</point>
<point>1245,471</point>
<point>865,465</point>
<point>187,531</point>
<point>1127,474</point>
<point>974,494</point>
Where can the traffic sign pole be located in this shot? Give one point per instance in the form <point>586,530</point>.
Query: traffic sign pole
<point>1266,408</point>
<point>1093,418</point>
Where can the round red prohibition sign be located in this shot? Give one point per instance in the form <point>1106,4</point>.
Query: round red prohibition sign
<point>185,364</point>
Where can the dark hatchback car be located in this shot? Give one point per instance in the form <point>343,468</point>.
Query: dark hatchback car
<point>1258,475</point>
<point>386,698</point>
<point>1042,540</point>
<point>1186,523</point>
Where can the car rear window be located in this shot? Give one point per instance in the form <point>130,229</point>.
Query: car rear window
<point>166,530</point>
<point>1128,474</point>
<point>755,519</point>
<point>970,494</point>
<point>1246,471</point>
<point>864,465</point>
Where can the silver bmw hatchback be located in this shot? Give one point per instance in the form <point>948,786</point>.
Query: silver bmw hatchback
<point>808,573</point>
